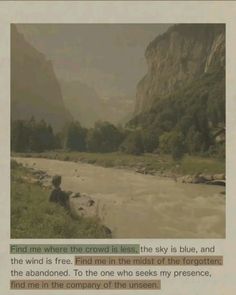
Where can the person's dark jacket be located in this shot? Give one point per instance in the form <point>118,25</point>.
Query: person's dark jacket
<point>60,197</point>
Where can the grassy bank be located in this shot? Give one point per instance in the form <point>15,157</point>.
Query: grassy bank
<point>163,164</point>
<point>32,216</point>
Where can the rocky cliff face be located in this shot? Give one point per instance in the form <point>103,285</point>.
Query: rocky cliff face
<point>179,56</point>
<point>34,87</point>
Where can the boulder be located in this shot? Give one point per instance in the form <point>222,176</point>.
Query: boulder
<point>197,178</point>
<point>107,231</point>
<point>82,204</point>
<point>187,179</point>
<point>219,176</point>
<point>75,195</point>
<point>207,177</point>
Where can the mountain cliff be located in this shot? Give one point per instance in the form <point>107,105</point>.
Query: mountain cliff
<point>180,102</point>
<point>178,57</point>
<point>35,90</point>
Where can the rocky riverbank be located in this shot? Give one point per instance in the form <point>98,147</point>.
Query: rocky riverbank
<point>197,178</point>
<point>80,204</point>
<point>214,179</point>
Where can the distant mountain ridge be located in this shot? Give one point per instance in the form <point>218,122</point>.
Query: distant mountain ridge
<point>35,90</point>
<point>82,101</point>
<point>87,107</point>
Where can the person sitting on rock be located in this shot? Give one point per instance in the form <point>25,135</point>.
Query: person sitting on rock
<point>57,195</point>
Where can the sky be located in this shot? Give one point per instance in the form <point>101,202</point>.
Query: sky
<point>107,57</point>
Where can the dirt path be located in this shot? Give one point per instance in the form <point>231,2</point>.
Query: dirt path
<point>133,205</point>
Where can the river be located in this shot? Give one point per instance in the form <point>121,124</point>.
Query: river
<point>134,205</point>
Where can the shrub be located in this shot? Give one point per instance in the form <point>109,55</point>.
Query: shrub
<point>173,143</point>
<point>133,143</point>
<point>104,137</point>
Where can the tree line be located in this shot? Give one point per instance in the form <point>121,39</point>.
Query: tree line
<point>38,136</point>
<point>33,136</point>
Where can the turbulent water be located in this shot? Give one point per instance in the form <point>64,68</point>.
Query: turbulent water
<point>134,205</point>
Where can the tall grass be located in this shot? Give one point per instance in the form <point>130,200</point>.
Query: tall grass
<point>33,216</point>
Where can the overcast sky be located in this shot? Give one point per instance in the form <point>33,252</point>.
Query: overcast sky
<point>108,57</point>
